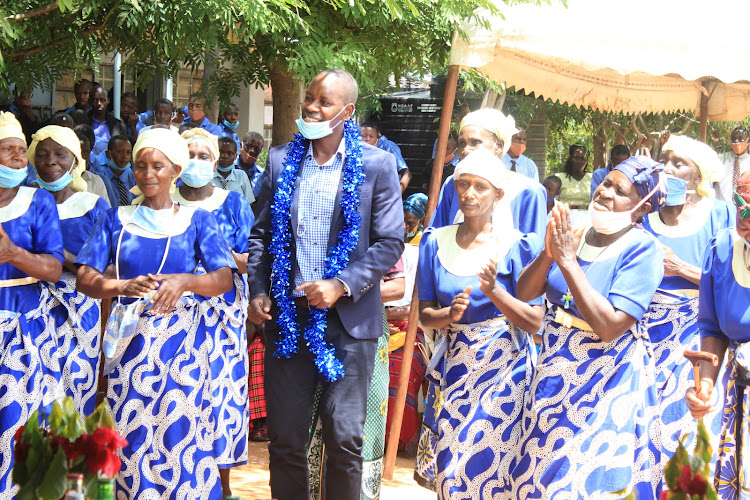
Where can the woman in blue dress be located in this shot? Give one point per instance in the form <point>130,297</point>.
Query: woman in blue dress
<point>684,227</point>
<point>56,153</point>
<point>592,400</point>
<point>156,348</point>
<point>724,322</point>
<point>467,286</point>
<point>30,251</point>
<point>226,313</point>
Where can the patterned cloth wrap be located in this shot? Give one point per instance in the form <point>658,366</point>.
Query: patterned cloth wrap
<point>77,323</point>
<point>29,378</point>
<point>671,322</point>
<point>732,474</point>
<point>162,363</point>
<point>588,417</point>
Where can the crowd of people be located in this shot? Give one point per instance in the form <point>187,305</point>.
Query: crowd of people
<point>152,262</point>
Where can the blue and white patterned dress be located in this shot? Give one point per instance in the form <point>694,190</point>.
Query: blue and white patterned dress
<point>591,404</point>
<point>724,313</point>
<point>487,363</point>
<point>672,326</point>
<point>161,380</point>
<point>226,315</point>
<point>77,318</point>
<point>29,370</point>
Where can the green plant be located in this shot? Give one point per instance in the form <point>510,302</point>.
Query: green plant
<point>49,447</point>
<point>688,478</point>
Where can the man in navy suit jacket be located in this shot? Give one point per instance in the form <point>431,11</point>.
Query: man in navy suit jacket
<point>355,314</point>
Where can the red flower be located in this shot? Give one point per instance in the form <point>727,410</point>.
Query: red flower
<point>101,451</point>
<point>692,485</point>
<point>21,448</point>
<point>664,494</point>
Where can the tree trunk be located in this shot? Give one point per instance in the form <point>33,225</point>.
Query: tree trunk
<point>286,102</point>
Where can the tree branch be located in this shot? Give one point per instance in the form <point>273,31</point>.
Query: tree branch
<point>34,12</point>
<point>21,55</point>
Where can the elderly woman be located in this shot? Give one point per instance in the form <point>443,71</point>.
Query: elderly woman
<point>31,250</point>
<point>226,314</point>
<point>156,346</point>
<point>724,322</point>
<point>684,227</point>
<point>576,181</point>
<point>523,205</point>
<point>467,286</point>
<point>592,400</point>
<point>56,153</point>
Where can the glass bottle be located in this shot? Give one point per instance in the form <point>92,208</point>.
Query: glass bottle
<point>74,491</point>
<point>106,490</point>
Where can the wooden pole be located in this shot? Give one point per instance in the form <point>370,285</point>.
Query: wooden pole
<point>704,113</point>
<point>389,461</point>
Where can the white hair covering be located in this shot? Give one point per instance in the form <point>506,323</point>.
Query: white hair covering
<point>10,127</point>
<point>169,143</point>
<point>702,155</point>
<point>494,121</point>
<point>66,138</point>
<point>197,134</point>
<point>484,164</point>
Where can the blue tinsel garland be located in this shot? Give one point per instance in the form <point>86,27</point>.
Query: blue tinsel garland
<point>336,260</point>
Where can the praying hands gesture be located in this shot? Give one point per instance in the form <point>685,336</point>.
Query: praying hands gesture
<point>561,242</point>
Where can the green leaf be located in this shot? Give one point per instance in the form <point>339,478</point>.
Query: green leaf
<point>672,473</point>
<point>54,482</point>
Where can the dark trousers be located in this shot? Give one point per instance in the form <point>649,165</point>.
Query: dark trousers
<point>290,389</point>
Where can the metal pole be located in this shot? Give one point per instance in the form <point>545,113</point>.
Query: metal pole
<point>389,461</point>
<point>117,85</point>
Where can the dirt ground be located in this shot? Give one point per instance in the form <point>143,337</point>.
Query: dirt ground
<point>250,482</point>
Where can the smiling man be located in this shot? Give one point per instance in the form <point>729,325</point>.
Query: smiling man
<point>327,193</point>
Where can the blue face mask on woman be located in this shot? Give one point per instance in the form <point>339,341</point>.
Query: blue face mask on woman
<point>58,184</point>
<point>198,173</point>
<point>12,177</point>
<point>676,191</point>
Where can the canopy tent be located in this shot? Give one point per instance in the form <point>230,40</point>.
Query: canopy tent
<point>643,56</point>
<point>636,57</point>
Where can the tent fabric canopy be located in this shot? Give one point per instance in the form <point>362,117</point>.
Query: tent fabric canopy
<point>644,56</point>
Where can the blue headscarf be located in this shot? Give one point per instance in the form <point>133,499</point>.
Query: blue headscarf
<point>416,204</point>
<point>646,175</point>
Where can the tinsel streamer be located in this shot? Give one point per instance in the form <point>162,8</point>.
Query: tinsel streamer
<point>336,261</point>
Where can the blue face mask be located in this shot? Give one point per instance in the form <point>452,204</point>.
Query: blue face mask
<point>317,130</point>
<point>230,126</point>
<point>12,177</point>
<point>60,183</point>
<point>115,166</point>
<point>225,169</point>
<point>676,191</point>
<point>198,173</point>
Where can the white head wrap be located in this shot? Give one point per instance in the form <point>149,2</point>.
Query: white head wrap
<point>702,155</point>
<point>66,138</point>
<point>494,121</point>
<point>197,134</point>
<point>484,164</point>
<point>10,127</point>
<point>169,143</point>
